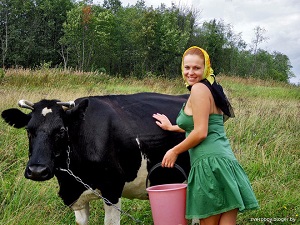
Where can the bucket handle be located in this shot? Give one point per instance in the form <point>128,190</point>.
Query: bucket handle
<point>158,165</point>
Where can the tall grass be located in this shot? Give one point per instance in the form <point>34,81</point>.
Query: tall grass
<point>265,136</point>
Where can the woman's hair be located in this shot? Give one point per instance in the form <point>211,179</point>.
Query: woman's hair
<point>194,51</point>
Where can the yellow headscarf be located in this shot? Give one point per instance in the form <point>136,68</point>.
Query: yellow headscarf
<point>208,71</point>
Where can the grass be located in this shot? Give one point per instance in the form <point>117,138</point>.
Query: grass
<point>265,136</point>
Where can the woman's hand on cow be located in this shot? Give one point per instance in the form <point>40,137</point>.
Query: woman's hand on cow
<point>169,159</point>
<point>162,121</point>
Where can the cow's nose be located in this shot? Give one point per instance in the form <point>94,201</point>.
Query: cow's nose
<point>38,173</point>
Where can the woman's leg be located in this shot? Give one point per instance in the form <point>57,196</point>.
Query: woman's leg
<point>229,218</point>
<point>212,220</point>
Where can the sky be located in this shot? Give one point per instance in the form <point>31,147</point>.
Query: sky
<point>279,18</point>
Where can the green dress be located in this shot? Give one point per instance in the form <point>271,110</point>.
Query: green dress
<point>216,183</point>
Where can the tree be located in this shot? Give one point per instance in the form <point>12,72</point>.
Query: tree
<point>30,31</point>
<point>282,66</point>
<point>174,35</point>
<point>258,38</point>
<point>4,30</point>
<point>212,37</point>
<point>15,33</point>
<point>113,5</point>
<point>79,35</point>
<point>131,40</point>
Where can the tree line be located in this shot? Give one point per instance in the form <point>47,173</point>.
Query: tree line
<point>132,40</point>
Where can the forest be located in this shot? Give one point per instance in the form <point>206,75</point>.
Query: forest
<point>133,40</point>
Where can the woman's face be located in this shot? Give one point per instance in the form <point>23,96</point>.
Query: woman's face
<point>193,68</point>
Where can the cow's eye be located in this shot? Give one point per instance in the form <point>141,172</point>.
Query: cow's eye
<point>62,129</point>
<point>61,133</point>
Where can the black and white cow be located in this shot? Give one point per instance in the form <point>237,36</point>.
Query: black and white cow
<point>110,142</point>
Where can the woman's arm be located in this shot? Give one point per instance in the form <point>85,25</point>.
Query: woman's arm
<point>164,123</point>
<point>200,100</point>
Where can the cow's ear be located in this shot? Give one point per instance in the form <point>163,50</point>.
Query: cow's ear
<point>78,112</point>
<point>15,117</point>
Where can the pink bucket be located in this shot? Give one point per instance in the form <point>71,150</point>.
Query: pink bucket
<point>168,202</point>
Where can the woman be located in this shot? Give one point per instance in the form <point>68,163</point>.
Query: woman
<point>217,185</point>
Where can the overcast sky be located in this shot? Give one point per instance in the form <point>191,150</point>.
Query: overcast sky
<point>280,19</point>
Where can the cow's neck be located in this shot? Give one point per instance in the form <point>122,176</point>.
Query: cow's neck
<point>64,159</point>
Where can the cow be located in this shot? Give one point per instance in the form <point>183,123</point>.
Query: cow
<point>103,144</point>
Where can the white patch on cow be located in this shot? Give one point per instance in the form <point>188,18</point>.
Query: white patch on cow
<point>138,142</point>
<point>84,198</point>
<point>137,188</point>
<point>112,215</point>
<point>45,111</point>
<point>82,210</point>
<point>82,215</point>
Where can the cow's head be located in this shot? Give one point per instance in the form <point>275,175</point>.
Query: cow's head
<point>46,127</point>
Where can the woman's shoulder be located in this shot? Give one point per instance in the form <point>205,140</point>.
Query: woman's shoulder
<point>200,88</point>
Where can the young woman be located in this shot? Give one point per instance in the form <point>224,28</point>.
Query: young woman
<point>217,185</point>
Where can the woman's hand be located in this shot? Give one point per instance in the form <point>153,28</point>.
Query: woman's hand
<point>162,121</point>
<point>169,159</point>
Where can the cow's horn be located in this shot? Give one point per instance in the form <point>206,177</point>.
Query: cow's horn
<point>70,104</point>
<point>25,104</point>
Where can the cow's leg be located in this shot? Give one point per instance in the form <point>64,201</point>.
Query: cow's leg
<point>82,215</point>
<point>195,222</point>
<point>112,215</point>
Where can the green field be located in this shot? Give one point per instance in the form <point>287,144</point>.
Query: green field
<point>265,136</point>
